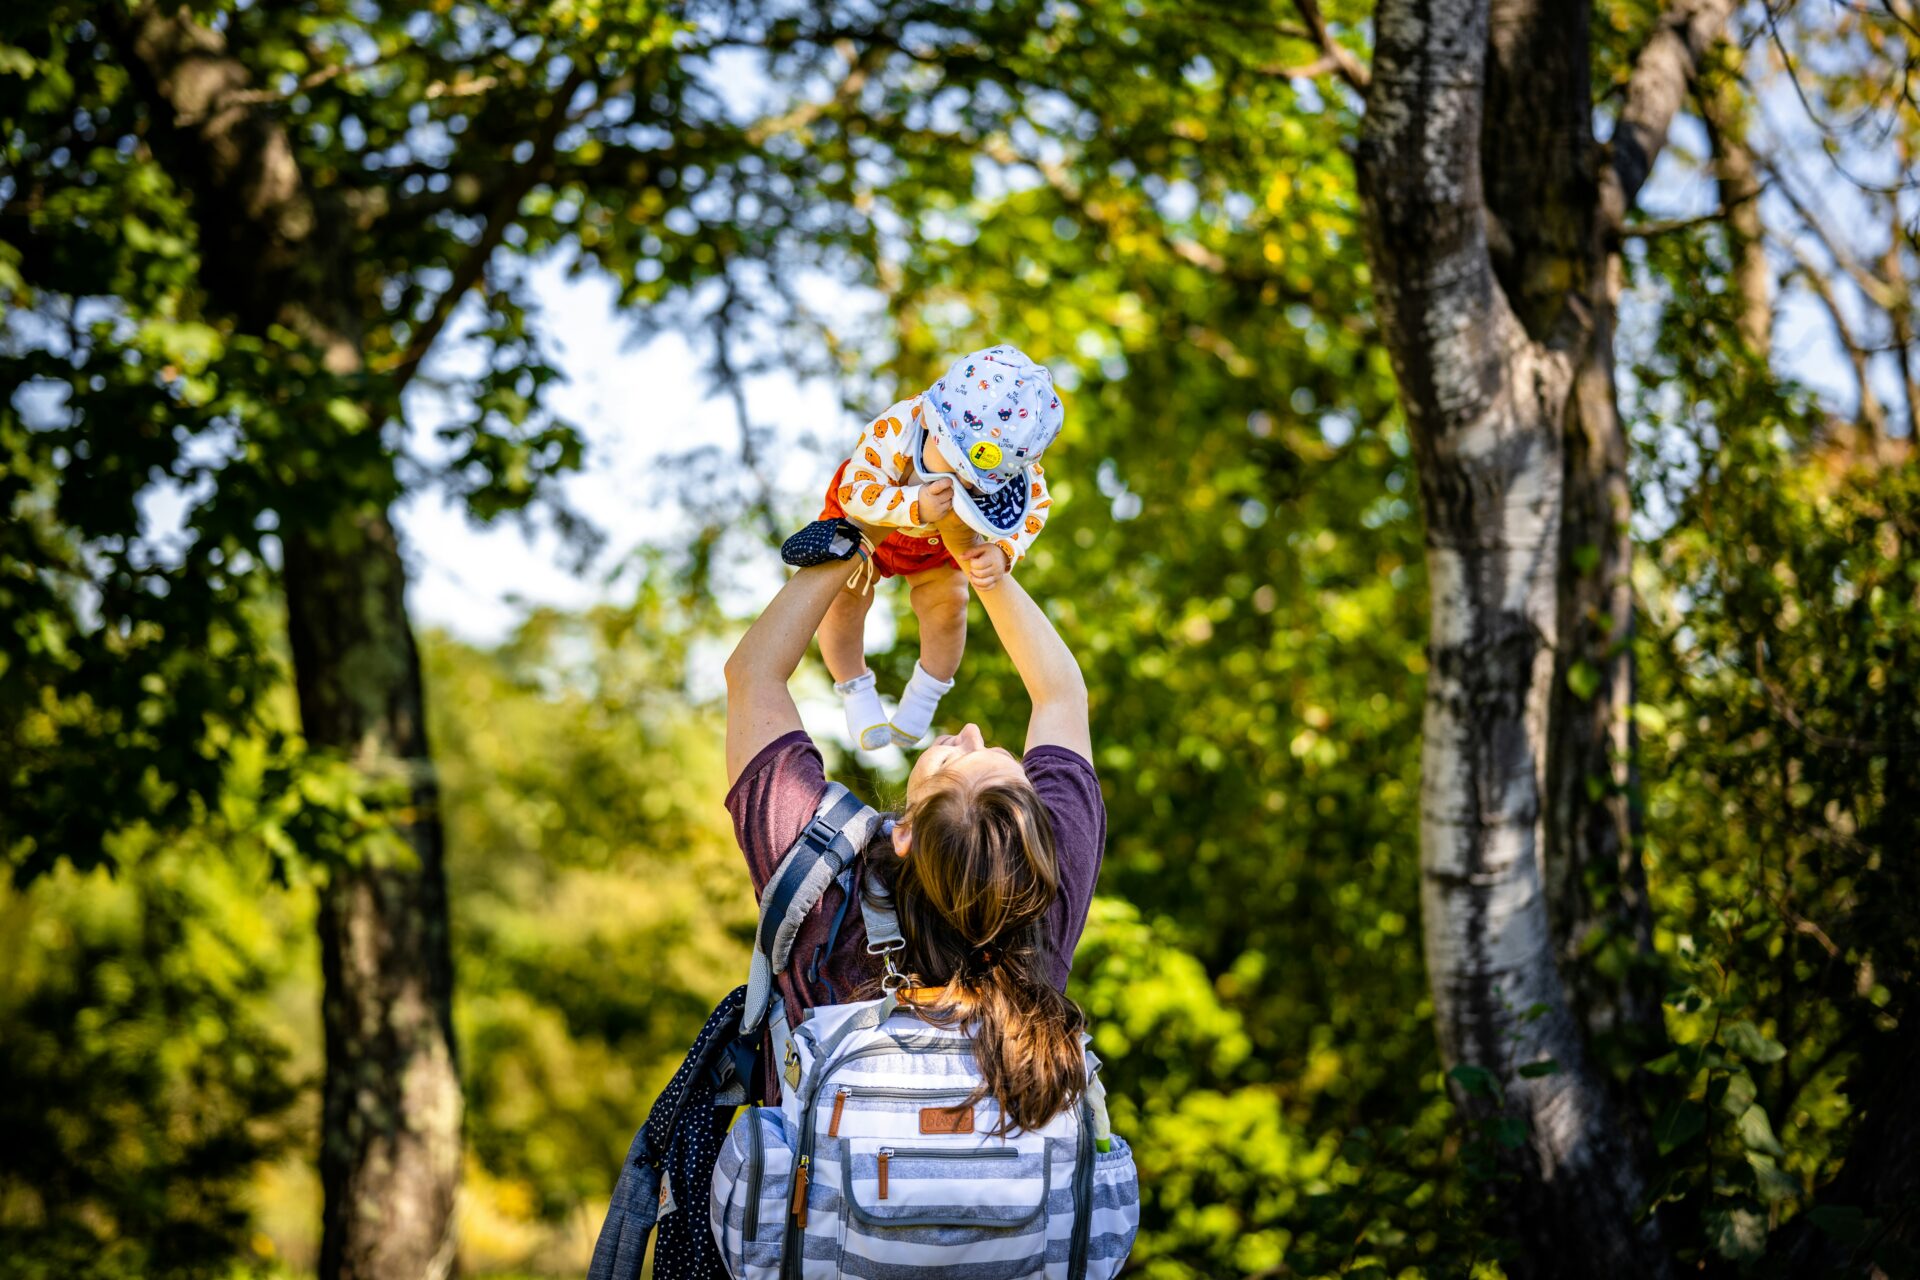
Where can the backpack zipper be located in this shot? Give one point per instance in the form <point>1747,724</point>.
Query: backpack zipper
<point>790,1261</point>
<point>934,1153</point>
<point>800,1194</point>
<point>839,1105</point>
<point>756,1159</point>
<point>888,1091</point>
<point>947,1048</point>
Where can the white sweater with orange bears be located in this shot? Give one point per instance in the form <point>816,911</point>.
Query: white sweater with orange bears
<point>882,481</point>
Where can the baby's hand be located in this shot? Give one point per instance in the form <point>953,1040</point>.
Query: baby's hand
<point>936,501</point>
<point>986,565</point>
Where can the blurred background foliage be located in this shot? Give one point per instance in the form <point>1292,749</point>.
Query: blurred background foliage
<point>1142,196</point>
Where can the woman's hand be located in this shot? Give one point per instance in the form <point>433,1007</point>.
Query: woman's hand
<point>936,500</point>
<point>986,566</point>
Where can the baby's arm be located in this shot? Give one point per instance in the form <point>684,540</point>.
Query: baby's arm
<point>870,488</point>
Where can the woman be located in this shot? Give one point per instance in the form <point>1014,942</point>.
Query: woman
<point>992,864</point>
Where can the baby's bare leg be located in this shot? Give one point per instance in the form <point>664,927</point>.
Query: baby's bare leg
<point>843,635</point>
<point>939,599</point>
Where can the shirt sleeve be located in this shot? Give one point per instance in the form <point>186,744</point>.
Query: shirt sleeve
<point>774,799</point>
<point>871,488</point>
<point>1068,787</point>
<point>1017,543</point>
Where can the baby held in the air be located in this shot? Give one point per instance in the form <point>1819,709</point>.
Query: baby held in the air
<point>953,475</point>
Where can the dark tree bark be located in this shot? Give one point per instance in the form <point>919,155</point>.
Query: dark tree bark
<point>1492,239</point>
<point>391,1106</point>
<point>271,254</point>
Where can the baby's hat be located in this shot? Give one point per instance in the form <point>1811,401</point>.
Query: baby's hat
<point>994,413</point>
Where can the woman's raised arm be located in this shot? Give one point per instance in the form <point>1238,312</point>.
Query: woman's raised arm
<point>759,706</point>
<point>1046,666</point>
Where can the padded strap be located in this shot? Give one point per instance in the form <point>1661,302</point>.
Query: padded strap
<point>823,837</point>
<point>883,925</point>
<point>825,848</point>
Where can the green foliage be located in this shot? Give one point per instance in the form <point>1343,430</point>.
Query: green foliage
<point>144,1080</point>
<point>1778,709</point>
<point>602,907</point>
<point>1130,191</point>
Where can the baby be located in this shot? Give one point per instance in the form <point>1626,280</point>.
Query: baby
<point>954,475</point>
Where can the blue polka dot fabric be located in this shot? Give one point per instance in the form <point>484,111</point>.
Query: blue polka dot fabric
<point>665,1180</point>
<point>821,542</point>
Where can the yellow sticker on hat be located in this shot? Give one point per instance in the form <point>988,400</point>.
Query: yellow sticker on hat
<point>985,455</point>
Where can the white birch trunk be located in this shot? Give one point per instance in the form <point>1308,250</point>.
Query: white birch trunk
<point>1485,405</point>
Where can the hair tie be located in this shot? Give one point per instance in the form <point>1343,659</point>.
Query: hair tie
<point>983,958</point>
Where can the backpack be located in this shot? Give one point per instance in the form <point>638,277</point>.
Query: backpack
<point>887,1161</point>
<point>670,1162</point>
<point>886,1157</point>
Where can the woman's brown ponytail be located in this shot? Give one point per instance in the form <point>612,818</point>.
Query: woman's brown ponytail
<point>973,896</point>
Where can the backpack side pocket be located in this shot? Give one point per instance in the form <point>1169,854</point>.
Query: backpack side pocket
<point>1116,1210</point>
<point>752,1181</point>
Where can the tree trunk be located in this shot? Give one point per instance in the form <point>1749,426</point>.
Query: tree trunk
<point>273,254</point>
<point>391,1107</point>
<point>1486,404</point>
<point>1540,170</point>
<point>1597,883</point>
<point>1738,179</point>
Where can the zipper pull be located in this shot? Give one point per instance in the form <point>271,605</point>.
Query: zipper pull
<point>886,1154</point>
<point>800,1195</point>
<point>839,1105</point>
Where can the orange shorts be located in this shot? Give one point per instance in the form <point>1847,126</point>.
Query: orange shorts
<point>898,555</point>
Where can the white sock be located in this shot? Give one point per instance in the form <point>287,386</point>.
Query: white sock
<point>918,701</point>
<point>866,718</point>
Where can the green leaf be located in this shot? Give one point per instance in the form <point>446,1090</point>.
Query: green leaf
<point>1757,1132</point>
<point>1510,1132</point>
<point>1476,1080</point>
<point>1748,1041</point>
<point>1738,1094</point>
<point>1738,1234</point>
<point>1583,679</point>
<point>1773,1182</point>
<point>1681,1123</point>
<point>1534,1070</point>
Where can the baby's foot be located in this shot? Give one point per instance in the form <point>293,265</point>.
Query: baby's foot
<point>918,703</point>
<point>866,718</point>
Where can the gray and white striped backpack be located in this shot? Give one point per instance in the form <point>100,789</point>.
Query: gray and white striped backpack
<point>885,1158</point>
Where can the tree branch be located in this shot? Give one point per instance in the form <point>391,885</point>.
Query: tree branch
<point>1333,52</point>
<point>1662,74</point>
<point>1871,285</point>
<point>1667,226</point>
<point>1869,413</point>
<point>859,66</point>
<point>1000,150</point>
<point>506,205</point>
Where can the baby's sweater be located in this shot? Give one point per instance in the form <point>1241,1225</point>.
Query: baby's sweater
<point>881,481</point>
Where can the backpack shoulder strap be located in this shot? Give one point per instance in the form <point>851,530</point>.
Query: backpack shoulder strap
<point>840,828</point>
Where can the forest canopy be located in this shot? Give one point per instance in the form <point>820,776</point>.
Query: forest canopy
<point>280,264</point>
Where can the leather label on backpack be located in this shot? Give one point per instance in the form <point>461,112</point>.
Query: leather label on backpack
<point>946,1119</point>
